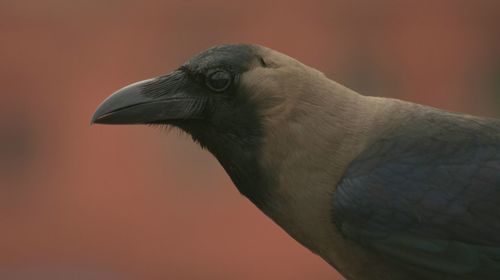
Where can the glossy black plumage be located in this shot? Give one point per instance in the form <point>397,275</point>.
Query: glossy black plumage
<point>427,194</point>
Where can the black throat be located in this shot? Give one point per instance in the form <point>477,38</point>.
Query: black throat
<point>238,152</point>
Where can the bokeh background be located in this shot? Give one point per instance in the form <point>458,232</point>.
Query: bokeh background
<point>131,202</point>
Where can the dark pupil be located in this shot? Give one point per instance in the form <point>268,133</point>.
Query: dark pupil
<point>219,80</point>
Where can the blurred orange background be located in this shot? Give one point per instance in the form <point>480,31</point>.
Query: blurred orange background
<point>131,202</point>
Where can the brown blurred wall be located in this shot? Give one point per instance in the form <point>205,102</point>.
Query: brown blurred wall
<point>131,202</point>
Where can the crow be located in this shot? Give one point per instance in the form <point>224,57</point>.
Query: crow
<point>380,188</point>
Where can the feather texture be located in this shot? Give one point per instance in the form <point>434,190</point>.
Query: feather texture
<point>427,194</point>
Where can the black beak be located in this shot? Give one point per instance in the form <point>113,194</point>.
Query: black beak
<point>169,97</point>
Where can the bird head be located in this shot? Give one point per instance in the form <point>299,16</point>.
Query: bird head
<point>221,97</point>
<point>230,99</point>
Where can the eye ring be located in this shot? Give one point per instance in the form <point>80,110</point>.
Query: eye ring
<point>219,80</point>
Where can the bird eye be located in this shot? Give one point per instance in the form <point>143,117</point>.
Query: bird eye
<point>219,80</point>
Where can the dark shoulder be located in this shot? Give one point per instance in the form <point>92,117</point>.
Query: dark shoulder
<point>422,187</point>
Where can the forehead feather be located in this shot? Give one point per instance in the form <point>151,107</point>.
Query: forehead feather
<point>235,57</point>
